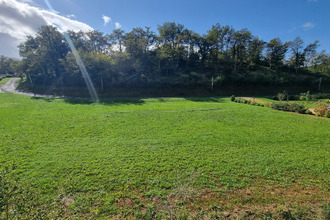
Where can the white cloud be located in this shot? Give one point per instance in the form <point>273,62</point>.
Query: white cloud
<point>106,19</point>
<point>72,16</point>
<point>118,25</point>
<point>308,26</point>
<point>19,19</point>
<point>27,1</point>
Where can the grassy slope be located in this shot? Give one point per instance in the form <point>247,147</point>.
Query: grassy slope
<point>3,81</point>
<point>146,149</point>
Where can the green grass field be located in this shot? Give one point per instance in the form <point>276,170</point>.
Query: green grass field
<point>170,158</point>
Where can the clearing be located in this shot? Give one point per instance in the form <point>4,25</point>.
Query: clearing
<point>160,158</point>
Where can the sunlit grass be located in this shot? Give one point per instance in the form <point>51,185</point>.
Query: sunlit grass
<point>3,81</point>
<point>152,148</point>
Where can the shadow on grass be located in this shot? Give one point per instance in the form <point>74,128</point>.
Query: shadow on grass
<point>111,102</point>
<point>206,99</point>
<point>46,99</point>
<point>122,101</point>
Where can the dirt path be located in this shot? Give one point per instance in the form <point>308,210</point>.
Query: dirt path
<point>255,100</point>
<point>10,87</point>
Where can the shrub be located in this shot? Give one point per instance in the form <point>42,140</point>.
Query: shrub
<point>327,114</point>
<point>290,107</point>
<point>294,107</point>
<point>280,106</point>
<point>305,96</point>
<point>281,96</point>
<point>232,98</point>
<point>322,96</point>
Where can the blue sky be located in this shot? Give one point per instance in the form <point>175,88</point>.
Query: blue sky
<point>267,19</point>
<point>264,18</point>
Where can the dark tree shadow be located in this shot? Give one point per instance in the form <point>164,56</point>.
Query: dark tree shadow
<point>123,101</point>
<point>46,99</point>
<point>206,99</point>
<point>111,102</point>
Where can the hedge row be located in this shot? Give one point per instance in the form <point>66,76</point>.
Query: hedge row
<point>285,106</point>
<point>304,96</point>
<point>290,107</point>
<point>244,101</point>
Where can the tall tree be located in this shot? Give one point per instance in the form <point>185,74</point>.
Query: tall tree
<point>171,33</point>
<point>97,42</point>
<point>79,39</point>
<point>311,53</point>
<point>117,38</point>
<point>138,41</point>
<point>219,39</point>
<point>275,53</point>
<point>171,50</point>
<point>240,42</point>
<point>321,63</point>
<point>7,65</point>
<point>298,55</point>
<point>203,47</point>
<point>137,44</point>
<point>42,54</point>
<point>255,52</point>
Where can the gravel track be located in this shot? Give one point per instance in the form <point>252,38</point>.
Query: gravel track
<point>10,87</point>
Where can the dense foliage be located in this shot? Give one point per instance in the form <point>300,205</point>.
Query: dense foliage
<point>175,57</point>
<point>7,66</point>
<point>291,107</point>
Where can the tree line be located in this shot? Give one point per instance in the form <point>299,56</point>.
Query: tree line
<point>8,66</point>
<point>175,57</point>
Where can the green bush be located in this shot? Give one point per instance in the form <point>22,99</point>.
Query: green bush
<point>282,96</point>
<point>305,96</point>
<point>322,96</point>
<point>283,106</point>
<point>327,114</point>
<point>294,107</point>
<point>232,98</point>
<point>290,107</point>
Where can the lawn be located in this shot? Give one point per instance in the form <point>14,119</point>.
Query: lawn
<point>160,158</point>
